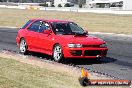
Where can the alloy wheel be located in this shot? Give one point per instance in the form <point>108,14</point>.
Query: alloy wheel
<point>23,46</point>
<point>57,53</point>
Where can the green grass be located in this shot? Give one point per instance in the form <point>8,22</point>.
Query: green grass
<point>90,21</point>
<point>14,74</point>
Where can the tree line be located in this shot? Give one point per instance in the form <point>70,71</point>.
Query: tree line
<point>79,2</point>
<point>25,1</point>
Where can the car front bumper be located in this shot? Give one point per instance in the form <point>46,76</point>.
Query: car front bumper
<point>89,52</point>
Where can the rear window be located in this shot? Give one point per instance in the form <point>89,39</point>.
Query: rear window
<point>26,24</point>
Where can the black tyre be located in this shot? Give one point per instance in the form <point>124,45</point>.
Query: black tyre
<point>57,53</point>
<point>84,81</point>
<point>23,46</point>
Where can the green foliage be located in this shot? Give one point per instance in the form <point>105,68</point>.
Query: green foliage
<point>59,5</point>
<point>67,5</point>
<point>80,5</point>
<point>81,1</point>
<point>43,4</point>
<point>52,5</point>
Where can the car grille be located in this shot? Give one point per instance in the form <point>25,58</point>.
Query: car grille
<point>92,52</point>
<point>91,45</point>
<point>76,52</point>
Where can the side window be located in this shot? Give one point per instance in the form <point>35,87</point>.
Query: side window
<point>44,26</point>
<point>47,26</point>
<point>26,24</point>
<point>35,26</point>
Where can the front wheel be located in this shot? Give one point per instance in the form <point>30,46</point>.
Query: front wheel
<point>57,53</point>
<point>23,46</point>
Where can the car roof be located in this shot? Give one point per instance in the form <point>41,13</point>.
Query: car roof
<point>50,20</point>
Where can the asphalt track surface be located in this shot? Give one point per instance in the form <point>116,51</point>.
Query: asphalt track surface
<point>118,62</point>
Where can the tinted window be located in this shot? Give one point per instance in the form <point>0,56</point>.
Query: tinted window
<point>35,26</point>
<point>26,24</point>
<point>75,28</point>
<point>43,26</point>
<point>67,28</point>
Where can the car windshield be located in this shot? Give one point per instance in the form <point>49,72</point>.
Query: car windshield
<point>67,28</point>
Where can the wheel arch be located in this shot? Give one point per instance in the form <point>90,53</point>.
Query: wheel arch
<point>21,39</point>
<point>54,46</point>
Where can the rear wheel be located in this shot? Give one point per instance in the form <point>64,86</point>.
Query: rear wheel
<point>23,46</point>
<point>57,53</point>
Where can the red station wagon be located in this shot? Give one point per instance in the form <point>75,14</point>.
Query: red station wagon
<point>60,39</point>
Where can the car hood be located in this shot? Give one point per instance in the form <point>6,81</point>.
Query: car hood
<point>85,40</point>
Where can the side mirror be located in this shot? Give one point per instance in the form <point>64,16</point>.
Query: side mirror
<point>86,31</point>
<point>47,32</point>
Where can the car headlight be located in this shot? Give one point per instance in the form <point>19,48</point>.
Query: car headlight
<point>74,45</point>
<point>103,45</point>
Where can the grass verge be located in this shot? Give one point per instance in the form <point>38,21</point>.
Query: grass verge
<point>20,72</point>
<point>90,21</point>
<point>14,74</point>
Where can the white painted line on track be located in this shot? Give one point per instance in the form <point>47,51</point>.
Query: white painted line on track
<point>8,27</point>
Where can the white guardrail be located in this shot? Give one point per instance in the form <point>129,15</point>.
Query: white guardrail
<point>70,9</point>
